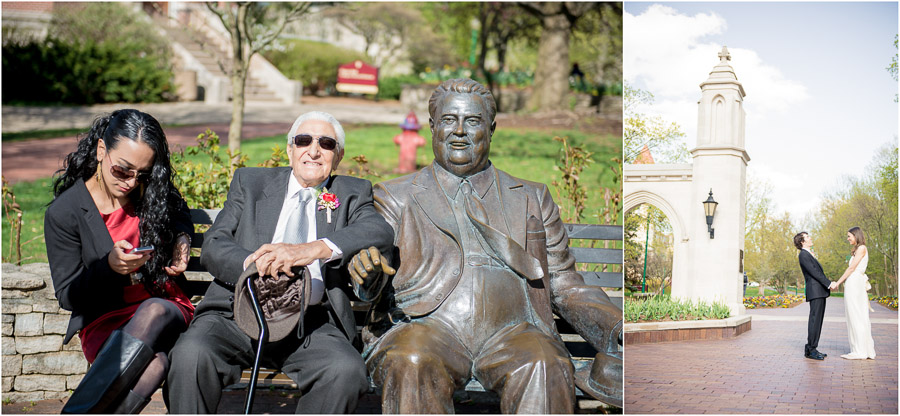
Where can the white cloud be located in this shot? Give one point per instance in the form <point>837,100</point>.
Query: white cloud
<point>667,53</point>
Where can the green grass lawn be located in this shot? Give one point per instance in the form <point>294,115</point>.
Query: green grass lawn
<point>754,291</point>
<point>526,154</point>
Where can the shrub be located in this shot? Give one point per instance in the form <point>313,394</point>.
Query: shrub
<point>87,60</point>
<point>389,88</point>
<point>204,183</point>
<point>312,63</point>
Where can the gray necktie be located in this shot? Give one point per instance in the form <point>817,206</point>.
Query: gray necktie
<point>297,226</point>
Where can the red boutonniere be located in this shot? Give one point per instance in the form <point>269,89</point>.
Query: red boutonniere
<point>329,201</point>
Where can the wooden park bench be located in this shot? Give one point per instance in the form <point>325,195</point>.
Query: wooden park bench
<point>582,352</point>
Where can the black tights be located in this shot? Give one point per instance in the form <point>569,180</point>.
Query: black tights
<point>157,322</point>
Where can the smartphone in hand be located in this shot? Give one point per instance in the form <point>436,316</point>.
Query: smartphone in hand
<point>142,250</point>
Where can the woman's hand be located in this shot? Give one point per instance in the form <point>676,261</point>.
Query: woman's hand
<point>180,255</point>
<point>123,263</point>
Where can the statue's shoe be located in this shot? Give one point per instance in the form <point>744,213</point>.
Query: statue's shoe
<point>601,380</point>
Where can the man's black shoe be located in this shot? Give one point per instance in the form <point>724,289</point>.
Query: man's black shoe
<point>815,356</point>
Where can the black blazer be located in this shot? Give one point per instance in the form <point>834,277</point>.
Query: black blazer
<point>78,246</point>
<point>248,220</point>
<point>816,282</point>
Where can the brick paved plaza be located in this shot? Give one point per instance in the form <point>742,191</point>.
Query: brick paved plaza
<point>764,371</point>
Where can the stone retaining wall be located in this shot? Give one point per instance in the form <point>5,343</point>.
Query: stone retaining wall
<point>652,332</point>
<point>36,364</point>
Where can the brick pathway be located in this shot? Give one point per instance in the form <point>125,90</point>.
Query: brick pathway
<point>764,371</point>
<point>284,401</point>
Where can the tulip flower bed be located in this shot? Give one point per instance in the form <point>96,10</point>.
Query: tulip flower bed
<point>663,308</point>
<point>774,301</point>
<point>889,301</point>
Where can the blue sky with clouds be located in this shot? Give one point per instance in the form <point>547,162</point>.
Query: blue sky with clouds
<point>819,101</point>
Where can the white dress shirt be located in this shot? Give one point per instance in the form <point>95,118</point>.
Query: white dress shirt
<point>291,202</point>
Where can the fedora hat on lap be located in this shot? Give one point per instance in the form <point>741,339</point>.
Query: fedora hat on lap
<point>282,299</point>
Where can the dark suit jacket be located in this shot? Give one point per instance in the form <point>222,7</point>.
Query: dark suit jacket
<point>430,256</point>
<point>78,246</point>
<point>248,220</point>
<point>816,282</point>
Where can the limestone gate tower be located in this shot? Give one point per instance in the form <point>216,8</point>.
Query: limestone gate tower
<point>704,268</point>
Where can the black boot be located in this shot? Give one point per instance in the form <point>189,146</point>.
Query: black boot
<point>131,404</point>
<point>119,364</point>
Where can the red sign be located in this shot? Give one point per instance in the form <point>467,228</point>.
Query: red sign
<point>357,77</point>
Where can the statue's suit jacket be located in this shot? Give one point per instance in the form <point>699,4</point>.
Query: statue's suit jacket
<point>248,220</point>
<point>431,259</point>
<point>816,282</point>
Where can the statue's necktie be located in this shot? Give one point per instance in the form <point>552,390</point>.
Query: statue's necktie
<point>510,252</point>
<point>297,225</point>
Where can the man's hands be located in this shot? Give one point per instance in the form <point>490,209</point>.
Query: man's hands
<point>833,286</point>
<point>123,263</point>
<point>368,261</point>
<point>272,259</point>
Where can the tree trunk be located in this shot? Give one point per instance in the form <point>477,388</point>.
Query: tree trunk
<point>551,76</point>
<point>238,77</point>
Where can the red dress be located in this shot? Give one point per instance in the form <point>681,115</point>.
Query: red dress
<point>123,224</point>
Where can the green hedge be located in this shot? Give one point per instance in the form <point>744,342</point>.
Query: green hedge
<point>56,71</point>
<point>87,59</point>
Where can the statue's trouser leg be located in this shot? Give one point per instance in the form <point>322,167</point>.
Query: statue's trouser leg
<point>530,370</point>
<point>418,366</point>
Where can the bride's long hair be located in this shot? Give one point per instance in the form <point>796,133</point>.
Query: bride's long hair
<point>860,238</point>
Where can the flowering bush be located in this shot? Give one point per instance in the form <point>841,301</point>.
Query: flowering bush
<point>889,301</point>
<point>773,301</point>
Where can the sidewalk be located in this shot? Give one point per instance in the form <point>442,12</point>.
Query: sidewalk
<point>35,159</point>
<point>764,371</point>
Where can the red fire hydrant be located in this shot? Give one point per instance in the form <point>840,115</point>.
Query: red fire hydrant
<point>409,141</point>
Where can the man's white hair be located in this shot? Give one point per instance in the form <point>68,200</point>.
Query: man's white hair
<point>322,116</point>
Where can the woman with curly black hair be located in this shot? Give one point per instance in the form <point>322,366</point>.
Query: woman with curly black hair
<point>115,193</point>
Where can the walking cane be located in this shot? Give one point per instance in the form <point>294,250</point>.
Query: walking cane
<point>263,335</point>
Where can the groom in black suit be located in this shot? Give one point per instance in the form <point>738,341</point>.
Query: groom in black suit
<point>279,218</point>
<point>818,288</point>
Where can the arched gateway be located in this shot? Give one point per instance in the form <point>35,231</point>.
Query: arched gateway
<point>704,268</point>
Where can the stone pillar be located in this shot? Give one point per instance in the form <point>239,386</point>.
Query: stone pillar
<point>719,164</point>
<point>36,365</point>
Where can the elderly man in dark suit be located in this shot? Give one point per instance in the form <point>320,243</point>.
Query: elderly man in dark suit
<point>482,263</point>
<point>281,218</point>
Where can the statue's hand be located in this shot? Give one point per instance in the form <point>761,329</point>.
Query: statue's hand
<point>368,262</point>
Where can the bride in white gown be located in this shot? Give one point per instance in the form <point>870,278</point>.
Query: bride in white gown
<point>856,300</point>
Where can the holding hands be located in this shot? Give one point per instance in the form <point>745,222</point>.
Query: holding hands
<point>272,259</point>
<point>368,261</point>
<point>833,286</point>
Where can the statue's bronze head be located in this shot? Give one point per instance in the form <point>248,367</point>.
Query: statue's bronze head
<point>462,123</point>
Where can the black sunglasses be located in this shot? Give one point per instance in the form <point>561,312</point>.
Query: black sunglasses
<point>123,174</point>
<point>325,142</point>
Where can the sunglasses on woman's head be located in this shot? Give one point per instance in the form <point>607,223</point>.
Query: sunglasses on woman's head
<point>123,174</point>
<point>325,142</point>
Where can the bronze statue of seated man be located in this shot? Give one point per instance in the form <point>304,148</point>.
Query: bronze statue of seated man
<point>480,264</point>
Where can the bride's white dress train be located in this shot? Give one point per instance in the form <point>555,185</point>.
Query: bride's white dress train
<point>856,310</point>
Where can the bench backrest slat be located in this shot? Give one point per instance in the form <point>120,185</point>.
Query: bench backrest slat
<point>594,231</point>
<point>204,216</point>
<point>575,231</point>
<point>602,279</point>
<point>597,255</point>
